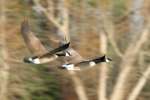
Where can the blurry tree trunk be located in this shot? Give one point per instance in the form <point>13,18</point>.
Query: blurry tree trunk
<point>102,90</point>
<point>4,67</point>
<point>103,74</point>
<point>103,69</point>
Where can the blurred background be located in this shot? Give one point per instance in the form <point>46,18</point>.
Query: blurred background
<point>117,28</point>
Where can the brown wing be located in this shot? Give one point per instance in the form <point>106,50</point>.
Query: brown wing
<point>75,56</point>
<point>32,42</point>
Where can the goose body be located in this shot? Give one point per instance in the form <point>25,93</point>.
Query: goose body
<point>85,64</point>
<point>50,56</point>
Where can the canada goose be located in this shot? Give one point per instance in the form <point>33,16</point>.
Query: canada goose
<point>35,46</point>
<point>82,64</point>
<point>50,56</point>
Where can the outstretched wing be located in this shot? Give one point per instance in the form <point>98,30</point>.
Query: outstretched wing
<point>59,49</point>
<point>32,42</point>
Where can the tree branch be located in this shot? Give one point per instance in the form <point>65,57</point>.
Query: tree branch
<point>127,64</point>
<point>78,86</point>
<point>4,70</point>
<point>140,84</point>
<point>103,69</point>
<point>108,29</point>
<point>62,27</point>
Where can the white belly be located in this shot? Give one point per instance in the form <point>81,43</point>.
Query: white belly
<point>70,67</point>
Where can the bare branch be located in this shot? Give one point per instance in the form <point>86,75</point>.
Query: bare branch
<point>140,84</point>
<point>109,30</point>
<point>50,7</point>
<point>78,86</point>
<point>113,43</point>
<point>48,15</point>
<point>65,15</point>
<point>127,64</point>
<point>14,60</point>
<point>135,47</point>
<point>62,27</point>
<point>118,90</point>
<point>141,59</point>
<point>4,69</point>
<point>103,69</point>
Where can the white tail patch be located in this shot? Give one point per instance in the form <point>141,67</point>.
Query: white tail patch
<point>92,63</point>
<point>107,60</point>
<point>36,61</point>
<point>67,54</point>
<point>70,67</point>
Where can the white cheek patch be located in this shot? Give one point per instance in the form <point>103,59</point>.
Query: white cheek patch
<point>36,61</point>
<point>92,63</point>
<point>107,60</point>
<point>56,56</point>
<point>67,54</point>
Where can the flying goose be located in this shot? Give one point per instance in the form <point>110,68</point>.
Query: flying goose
<point>77,62</point>
<point>49,56</point>
<point>35,46</point>
<point>83,64</point>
